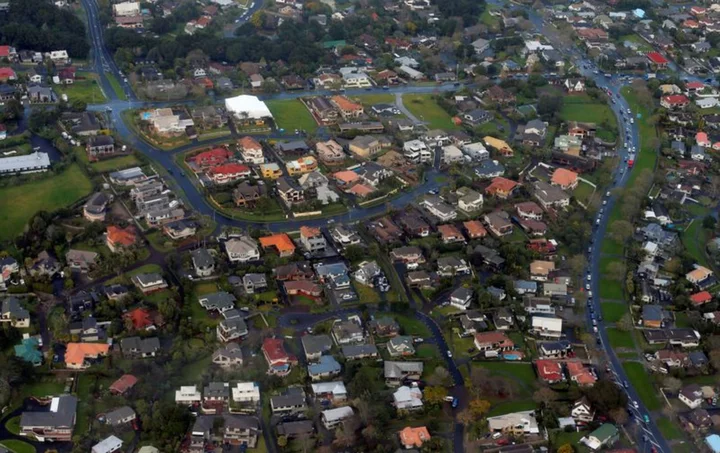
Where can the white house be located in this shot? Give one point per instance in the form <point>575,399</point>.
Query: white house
<point>408,398</point>
<point>242,249</point>
<point>188,394</point>
<point>246,392</point>
<point>547,327</point>
<point>691,395</point>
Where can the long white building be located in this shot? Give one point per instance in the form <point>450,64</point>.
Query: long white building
<point>29,163</point>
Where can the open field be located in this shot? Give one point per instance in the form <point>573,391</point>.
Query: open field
<point>87,91</point>
<point>19,203</point>
<point>612,311</point>
<point>18,446</point>
<point>424,107</point>
<point>291,114</point>
<point>640,380</point>
<point>584,109</point>
<point>620,339</point>
<point>610,289</point>
<point>583,192</point>
<point>520,372</point>
<point>107,165</point>
<point>668,429</point>
<point>694,239</point>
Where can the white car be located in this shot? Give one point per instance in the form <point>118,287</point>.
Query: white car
<point>589,277</point>
<point>587,286</point>
<point>636,405</point>
<point>449,354</point>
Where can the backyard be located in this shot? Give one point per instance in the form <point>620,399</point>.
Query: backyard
<point>292,114</point>
<point>18,203</point>
<point>585,109</point>
<point>87,91</point>
<point>424,107</point>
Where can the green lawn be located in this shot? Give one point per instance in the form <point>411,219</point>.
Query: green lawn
<point>107,165</point>
<point>647,156</point>
<point>612,311</point>
<point>18,446</point>
<point>291,114</point>
<point>643,46</point>
<point>368,100</point>
<point>427,351</point>
<point>512,406</point>
<point>610,289</point>
<point>13,425</point>
<point>584,109</point>
<point>424,107</point>
<point>640,380</point>
<point>115,83</point>
<point>19,203</point>
<point>366,294</point>
<point>583,192</point>
<point>620,339</point>
<point>41,389</point>
<point>412,326</point>
<point>491,22</point>
<point>668,429</point>
<point>694,240</point>
<point>146,269</point>
<point>520,372</point>
<point>87,91</point>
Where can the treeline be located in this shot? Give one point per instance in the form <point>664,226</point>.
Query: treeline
<point>41,26</point>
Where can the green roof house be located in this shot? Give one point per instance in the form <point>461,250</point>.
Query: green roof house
<point>606,435</point>
<point>28,351</point>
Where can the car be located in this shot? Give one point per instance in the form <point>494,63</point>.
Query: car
<point>604,202</point>
<point>449,398</point>
<point>625,384</point>
<point>589,293</point>
<point>607,194</point>
<point>455,403</point>
<point>589,277</point>
<point>449,354</point>
<point>587,286</point>
<point>629,111</point>
<point>632,120</point>
<point>646,419</point>
<point>636,405</point>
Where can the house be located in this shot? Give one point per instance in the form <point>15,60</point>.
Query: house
<point>331,418</point>
<point>469,200</point>
<point>270,171</point>
<point>228,356</point>
<point>280,243</point>
<point>300,166</point>
<point>414,224</point>
<point>109,444</point>
<point>546,327</point>
<point>498,145</point>
<point>346,107</point>
<point>605,436</point>
<point>251,150</point>
<point>451,154</point>
<point>410,255</point>
<point>408,399</point>
<point>551,196</point>
<point>653,316</point>
<point>246,392</point>
<point>203,262</point>
<point>493,341</point>
<point>312,239</point>
<point>229,172</point>
<point>385,326</point>
<point>120,416</point>
<point>242,249</point>
<point>330,152</point>
<point>302,429</point>
<point>334,392</point>
<point>230,329</point>
<point>188,395</point>
<point>324,368</point>
<point>94,209</point>
<point>461,298</point>
<point>438,208</point>
<point>396,372</point>
<point>14,313</point>
<point>549,371</point>
<point>221,301</point>
<point>565,179</point>
<point>100,146</point>
<point>349,331</point>
<point>365,146</point>
<point>582,412</point>
<point>674,101</point>
<point>477,117</point>
<point>316,345</point>
<point>149,282</point>
<point>290,192</point>
<point>117,238</point>
<point>359,351</point>
<point>581,374</point>
<point>79,356</point>
<point>691,395</point>
<point>344,236</point>
<point>367,273</point>
<point>400,346</point>
<point>657,60</point>
<point>254,281</point>
<point>449,266</point>
<point>140,347</point>
<point>515,423</point>
<point>501,187</point>
<point>541,270</point>
<point>699,275</point>
<point>700,298</point>
<point>498,222</point>
<point>246,195</point>
<point>278,359</point>
<point>450,234</point>
<point>414,437</point>
<point>475,229</point>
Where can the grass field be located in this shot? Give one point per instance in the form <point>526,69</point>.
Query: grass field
<point>13,425</point>
<point>610,289</point>
<point>41,389</point>
<point>115,83</point>
<point>412,326</point>
<point>643,46</point>
<point>694,239</point>
<point>489,20</point>
<point>87,91</point>
<point>368,100</point>
<point>583,192</point>
<point>19,203</point>
<point>291,114</point>
<point>424,107</point>
<point>107,165</point>
<point>668,429</point>
<point>640,379</point>
<point>427,351</point>
<point>620,339</point>
<point>366,294</point>
<point>612,311</point>
<point>520,372</point>
<point>584,109</point>
<point>18,446</point>
<point>647,156</point>
<point>512,406</point>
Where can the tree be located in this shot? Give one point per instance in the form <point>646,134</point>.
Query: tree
<point>544,396</point>
<point>435,395</point>
<point>714,357</point>
<point>625,323</point>
<point>621,230</point>
<point>549,106</point>
<point>605,396</point>
<point>441,376</point>
<point>478,408</point>
<point>566,448</point>
<point>709,222</point>
<point>619,415</point>
<point>434,445</point>
<point>282,441</point>
<point>673,384</point>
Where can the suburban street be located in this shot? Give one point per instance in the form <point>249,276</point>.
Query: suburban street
<point>104,66</point>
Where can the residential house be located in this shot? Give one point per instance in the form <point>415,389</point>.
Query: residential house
<point>278,359</point>
<point>501,187</point>
<point>515,423</point>
<point>691,395</point>
<point>332,418</point>
<point>149,282</point>
<point>315,346</point>
<point>203,262</point>
<point>140,347</point>
<point>14,313</point>
<point>546,327</point>
<point>408,399</point>
<point>414,437</point>
<point>324,368</point>
<point>280,243</point>
<point>397,372</point>
<point>400,346</point>
<point>242,249</point>
<point>604,436</point>
<point>228,356</point>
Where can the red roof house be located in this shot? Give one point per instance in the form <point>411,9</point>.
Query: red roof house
<point>701,298</point>
<point>674,101</point>
<point>549,371</point>
<point>228,172</point>
<point>215,156</point>
<point>122,385</point>
<point>7,74</point>
<point>117,238</point>
<point>278,359</point>
<point>657,59</point>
